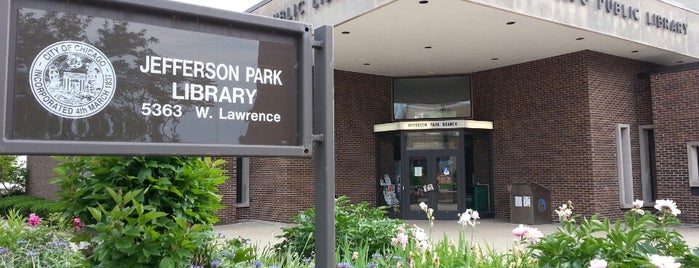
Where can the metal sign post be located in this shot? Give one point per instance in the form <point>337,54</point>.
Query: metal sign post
<point>324,128</point>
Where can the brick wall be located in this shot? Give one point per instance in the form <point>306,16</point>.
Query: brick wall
<point>40,172</point>
<point>361,101</point>
<point>540,118</point>
<point>617,96</point>
<point>553,123</point>
<point>228,191</point>
<point>676,122</point>
<point>280,187</point>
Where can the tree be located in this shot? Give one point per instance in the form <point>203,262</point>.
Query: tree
<point>13,175</point>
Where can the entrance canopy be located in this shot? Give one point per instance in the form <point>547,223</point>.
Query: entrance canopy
<point>437,37</point>
<point>433,125</point>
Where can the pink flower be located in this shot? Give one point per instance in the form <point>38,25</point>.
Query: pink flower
<point>597,263</point>
<point>520,230</point>
<point>34,220</point>
<point>77,223</point>
<point>401,238</point>
<point>527,234</point>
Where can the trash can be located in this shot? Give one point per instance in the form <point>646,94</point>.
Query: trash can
<point>481,197</point>
<point>529,203</point>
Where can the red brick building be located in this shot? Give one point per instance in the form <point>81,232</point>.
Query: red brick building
<point>450,102</point>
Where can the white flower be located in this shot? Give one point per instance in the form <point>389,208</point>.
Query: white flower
<point>420,234</point>
<point>424,245</point>
<point>664,261</point>
<point>465,219</point>
<point>80,246</point>
<point>564,212</point>
<point>638,203</point>
<point>597,263</point>
<point>475,215</point>
<point>667,206</point>
<point>533,235</point>
<point>469,217</point>
<point>423,206</point>
<point>639,211</point>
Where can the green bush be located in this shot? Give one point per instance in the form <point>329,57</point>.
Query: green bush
<point>142,211</point>
<point>642,237</point>
<point>355,225</point>
<point>25,204</point>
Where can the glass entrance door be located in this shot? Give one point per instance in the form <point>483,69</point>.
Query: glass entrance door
<point>435,178</point>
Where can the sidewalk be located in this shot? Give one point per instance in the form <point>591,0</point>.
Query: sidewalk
<point>493,233</point>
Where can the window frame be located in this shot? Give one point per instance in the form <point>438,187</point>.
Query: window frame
<point>242,182</point>
<point>693,163</point>
<point>647,183</point>
<point>625,165</point>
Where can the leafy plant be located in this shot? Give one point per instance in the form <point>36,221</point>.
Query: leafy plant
<point>218,251</point>
<point>622,244</point>
<point>355,225</point>
<point>141,211</point>
<point>36,244</point>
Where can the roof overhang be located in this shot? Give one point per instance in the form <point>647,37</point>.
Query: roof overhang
<point>411,38</point>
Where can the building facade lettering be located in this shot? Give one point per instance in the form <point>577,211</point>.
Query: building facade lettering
<point>623,10</point>
<point>295,10</point>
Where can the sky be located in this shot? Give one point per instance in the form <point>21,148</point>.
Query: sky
<point>234,5</point>
<point>689,4</point>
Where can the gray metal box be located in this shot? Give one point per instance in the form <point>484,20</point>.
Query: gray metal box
<point>529,203</point>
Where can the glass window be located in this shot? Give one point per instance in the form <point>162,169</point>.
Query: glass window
<point>432,140</point>
<point>432,97</point>
<point>243,182</point>
<point>693,157</point>
<point>624,166</point>
<point>648,181</point>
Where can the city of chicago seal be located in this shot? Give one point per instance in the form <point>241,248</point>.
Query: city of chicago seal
<point>72,79</point>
